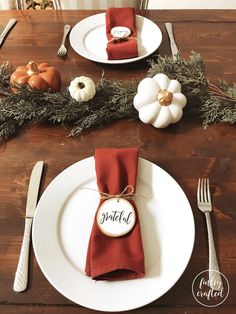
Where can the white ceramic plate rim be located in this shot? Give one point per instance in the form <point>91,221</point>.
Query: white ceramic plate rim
<point>148,34</point>
<point>166,256</point>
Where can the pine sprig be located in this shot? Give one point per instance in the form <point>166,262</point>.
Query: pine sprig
<point>211,102</point>
<point>111,102</point>
<point>114,99</point>
<point>5,73</point>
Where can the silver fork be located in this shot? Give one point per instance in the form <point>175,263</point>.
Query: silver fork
<point>204,204</point>
<point>62,51</point>
<point>173,46</point>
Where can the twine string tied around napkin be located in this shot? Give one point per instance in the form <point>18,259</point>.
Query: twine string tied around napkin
<point>116,40</point>
<point>127,193</point>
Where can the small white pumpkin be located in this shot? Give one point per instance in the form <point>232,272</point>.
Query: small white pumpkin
<point>82,88</point>
<point>159,101</point>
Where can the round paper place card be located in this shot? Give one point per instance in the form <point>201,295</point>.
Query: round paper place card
<point>120,32</point>
<point>116,217</point>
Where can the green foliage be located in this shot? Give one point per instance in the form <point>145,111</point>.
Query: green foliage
<point>114,99</point>
<point>111,102</point>
<point>5,70</point>
<point>210,102</point>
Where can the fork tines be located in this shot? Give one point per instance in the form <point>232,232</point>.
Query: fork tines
<point>203,191</point>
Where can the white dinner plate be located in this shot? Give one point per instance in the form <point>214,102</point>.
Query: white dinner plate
<point>62,226</point>
<point>88,38</point>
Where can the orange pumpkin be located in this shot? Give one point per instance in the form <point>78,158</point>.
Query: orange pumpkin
<point>41,77</point>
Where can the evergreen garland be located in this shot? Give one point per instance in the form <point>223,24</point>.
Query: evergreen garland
<point>210,102</point>
<point>113,99</point>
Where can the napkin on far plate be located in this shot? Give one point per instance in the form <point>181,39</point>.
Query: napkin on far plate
<point>127,48</point>
<point>110,258</point>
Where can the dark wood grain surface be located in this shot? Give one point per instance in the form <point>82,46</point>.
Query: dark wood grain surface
<point>185,150</point>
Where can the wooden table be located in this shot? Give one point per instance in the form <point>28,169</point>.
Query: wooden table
<point>185,150</point>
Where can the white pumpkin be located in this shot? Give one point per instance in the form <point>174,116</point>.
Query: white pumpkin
<point>159,101</point>
<point>82,88</point>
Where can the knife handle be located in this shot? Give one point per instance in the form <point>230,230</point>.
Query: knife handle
<point>8,27</point>
<point>21,276</point>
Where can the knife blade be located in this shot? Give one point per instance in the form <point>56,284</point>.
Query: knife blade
<point>173,46</point>
<point>4,33</point>
<point>21,276</point>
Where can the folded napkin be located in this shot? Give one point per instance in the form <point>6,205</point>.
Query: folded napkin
<point>110,258</point>
<point>127,48</point>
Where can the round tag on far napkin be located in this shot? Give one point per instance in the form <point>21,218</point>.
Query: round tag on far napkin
<point>120,32</point>
<point>116,217</point>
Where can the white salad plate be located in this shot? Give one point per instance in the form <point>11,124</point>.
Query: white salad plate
<point>62,226</point>
<point>88,39</point>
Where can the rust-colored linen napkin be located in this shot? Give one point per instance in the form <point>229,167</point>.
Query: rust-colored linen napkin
<point>110,258</point>
<point>121,17</point>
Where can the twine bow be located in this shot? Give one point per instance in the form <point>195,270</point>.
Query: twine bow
<point>116,40</point>
<point>127,193</point>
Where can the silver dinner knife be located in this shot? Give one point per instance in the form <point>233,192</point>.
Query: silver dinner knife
<point>173,46</point>
<point>9,25</point>
<point>21,276</point>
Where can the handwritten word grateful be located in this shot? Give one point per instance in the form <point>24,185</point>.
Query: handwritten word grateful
<point>116,216</point>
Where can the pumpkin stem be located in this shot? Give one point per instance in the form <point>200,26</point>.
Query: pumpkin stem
<point>165,97</point>
<point>81,85</point>
<point>32,68</point>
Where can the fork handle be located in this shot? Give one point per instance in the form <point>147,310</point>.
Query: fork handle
<point>66,31</point>
<point>214,273</point>
<point>173,46</point>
